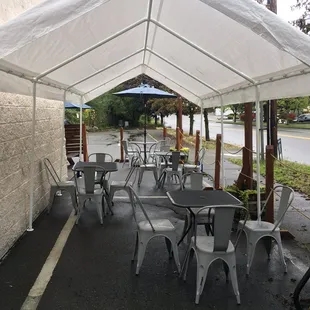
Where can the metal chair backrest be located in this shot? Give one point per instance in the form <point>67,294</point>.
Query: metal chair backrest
<point>286,199</point>
<point>175,160</point>
<point>89,179</point>
<point>136,201</point>
<point>51,172</point>
<point>135,163</point>
<point>100,157</point>
<point>223,221</point>
<point>196,180</point>
<point>201,155</point>
<point>125,146</point>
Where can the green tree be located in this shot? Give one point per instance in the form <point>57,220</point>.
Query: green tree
<point>190,109</point>
<point>302,22</point>
<point>237,109</point>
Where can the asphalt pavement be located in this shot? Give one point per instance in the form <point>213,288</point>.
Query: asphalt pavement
<point>295,142</point>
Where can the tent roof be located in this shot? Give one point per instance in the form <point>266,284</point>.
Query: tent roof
<point>200,49</point>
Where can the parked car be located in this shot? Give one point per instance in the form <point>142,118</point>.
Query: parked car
<point>303,118</point>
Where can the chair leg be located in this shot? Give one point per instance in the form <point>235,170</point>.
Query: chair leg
<point>233,275</point>
<point>99,211</point>
<point>187,261</point>
<point>136,248</point>
<point>141,252</point>
<point>199,281</point>
<point>176,254</point>
<point>141,172</point>
<point>155,175</point>
<point>52,197</point>
<point>169,247</point>
<point>251,245</point>
<point>280,249</point>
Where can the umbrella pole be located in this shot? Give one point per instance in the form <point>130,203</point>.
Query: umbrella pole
<point>144,144</point>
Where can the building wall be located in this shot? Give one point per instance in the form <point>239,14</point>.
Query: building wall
<point>15,150</point>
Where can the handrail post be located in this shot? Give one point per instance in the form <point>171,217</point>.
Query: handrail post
<point>164,133</point>
<point>177,139</point>
<point>269,183</point>
<point>121,143</point>
<point>197,146</point>
<point>217,171</point>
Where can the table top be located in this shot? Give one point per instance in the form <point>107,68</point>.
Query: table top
<point>106,166</point>
<point>201,198</point>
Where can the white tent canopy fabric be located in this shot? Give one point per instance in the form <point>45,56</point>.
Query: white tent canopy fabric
<point>200,49</point>
<point>209,51</point>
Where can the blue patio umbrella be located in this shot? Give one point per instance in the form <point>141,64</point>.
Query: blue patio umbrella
<point>144,92</point>
<point>71,105</point>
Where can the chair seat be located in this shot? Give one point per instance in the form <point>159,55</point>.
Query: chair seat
<point>120,183</point>
<point>189,166</point>
<point>263,226</point>
<point>206,244</point>
<point>170,169</point>
<point>66,184</point>
<point>148,166</point>
<point>158,224</point>
<point>97,191</point>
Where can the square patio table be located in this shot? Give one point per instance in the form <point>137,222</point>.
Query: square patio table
<point>190,199</point>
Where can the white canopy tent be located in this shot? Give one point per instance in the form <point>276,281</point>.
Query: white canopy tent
<point>210,52</point>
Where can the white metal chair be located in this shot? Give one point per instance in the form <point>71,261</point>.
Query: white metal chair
<point>87,191</point>
<point>196,168</point>
<point>149,229</point>
<point>255,231</point>
<point>210,248</point>
<point>101,178</point>
<point>116,186</point>
<point>196,182</point>
<point>174,171</point>
<point>58,185</point>
<point>130,152</point>
<point>151,165</point>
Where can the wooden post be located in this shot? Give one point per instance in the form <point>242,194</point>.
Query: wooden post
<point>181,137</point>
<point>164,133</point>
<point>217,161</point>
<point>269,217</point>
<point>84,143</point>
<point>177,131</point>
<point>121,143</point>
<point>197,146</point>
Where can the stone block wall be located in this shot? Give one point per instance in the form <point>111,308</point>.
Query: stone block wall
<point>15,156</point>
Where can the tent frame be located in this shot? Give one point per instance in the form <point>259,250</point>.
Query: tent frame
<point>148,20</point>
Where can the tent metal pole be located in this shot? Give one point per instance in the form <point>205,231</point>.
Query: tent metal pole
<point>81,124</point>
<point>116,77</point>
<point>201,122</point>
<point>182,70</point>
<point>149,14</point>
<point>32,158</point>
<point>201,50</point>
<point>88,50</point>
<point>106,68</point>
<point>222,142</point>
<point>62,138</point>
<point>257,107</point>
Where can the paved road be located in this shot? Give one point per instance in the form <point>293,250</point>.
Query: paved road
<point>295,142</point>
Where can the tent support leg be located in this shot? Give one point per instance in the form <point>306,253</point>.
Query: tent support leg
<point>33,131</point>
<point>81,123</point>
<point>201,121</point>
<point>257,107</point>
<point>222,142</point>
<point>62,138</point>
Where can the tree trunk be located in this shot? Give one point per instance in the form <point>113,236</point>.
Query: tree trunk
<point>191,123</point>
<point>235,117</point>
<point>161,119</point>
<point>155,118</point>
<point>206,118</point>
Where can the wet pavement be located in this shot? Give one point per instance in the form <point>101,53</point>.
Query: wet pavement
<point>95,269</point>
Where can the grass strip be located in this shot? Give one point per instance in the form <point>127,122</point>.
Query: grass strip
<point>288,173</point>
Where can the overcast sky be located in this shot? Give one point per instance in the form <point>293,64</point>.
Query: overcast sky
<point>285,12</point>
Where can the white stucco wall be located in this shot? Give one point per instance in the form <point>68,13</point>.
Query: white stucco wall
<point>15,149</point>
